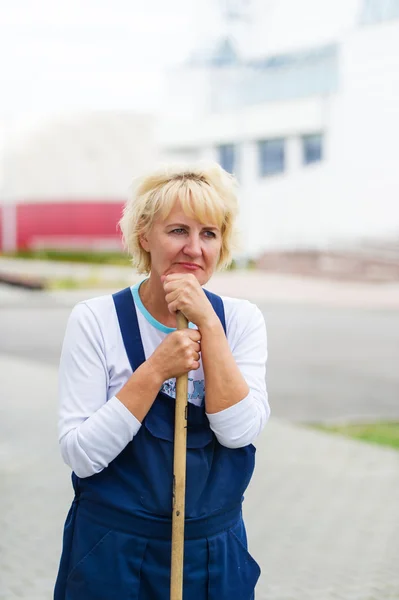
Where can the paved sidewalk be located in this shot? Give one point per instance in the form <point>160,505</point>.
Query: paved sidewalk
<point>322,511</point>
<point>253,285</point>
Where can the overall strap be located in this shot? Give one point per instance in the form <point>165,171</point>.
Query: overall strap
<point>218,307</point>
<point>129,326</point>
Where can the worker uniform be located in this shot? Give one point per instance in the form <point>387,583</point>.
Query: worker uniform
<point>117,536</point>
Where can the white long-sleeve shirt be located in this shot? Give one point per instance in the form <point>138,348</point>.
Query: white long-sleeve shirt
<point>94,426</point>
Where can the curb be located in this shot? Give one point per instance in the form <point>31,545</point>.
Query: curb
<point>26,282</point>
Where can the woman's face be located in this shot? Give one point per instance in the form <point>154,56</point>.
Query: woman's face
<point>181,244</point>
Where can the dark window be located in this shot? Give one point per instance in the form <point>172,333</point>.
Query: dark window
<point>271,156</point>
<point>227,157</point>
<point>312,148</point>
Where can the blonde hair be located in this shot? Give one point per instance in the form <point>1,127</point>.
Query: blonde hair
<point>206,192</point>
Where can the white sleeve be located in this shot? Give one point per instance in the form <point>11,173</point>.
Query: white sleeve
<point>92,431</point>
<point>240,424</point>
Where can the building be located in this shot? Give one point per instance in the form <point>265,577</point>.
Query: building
<point>65,180</point>
<point>311,135</point>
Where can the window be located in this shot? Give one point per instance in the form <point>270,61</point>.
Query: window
<point>227,157</point>
<point>271,156</point>
<point>312,148</point>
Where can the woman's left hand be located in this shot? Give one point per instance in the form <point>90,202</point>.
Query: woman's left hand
<point>183,292</point>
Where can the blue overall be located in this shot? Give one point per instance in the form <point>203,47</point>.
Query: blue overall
<point>117,535</point>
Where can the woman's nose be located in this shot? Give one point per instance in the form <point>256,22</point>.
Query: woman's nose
<point>193,246</point>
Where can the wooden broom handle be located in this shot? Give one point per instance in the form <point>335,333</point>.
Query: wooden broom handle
<point>179,479</point>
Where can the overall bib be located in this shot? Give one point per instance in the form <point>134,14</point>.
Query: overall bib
<point>117,535</point>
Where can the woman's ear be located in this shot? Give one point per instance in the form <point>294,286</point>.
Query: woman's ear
<point>144,242</point>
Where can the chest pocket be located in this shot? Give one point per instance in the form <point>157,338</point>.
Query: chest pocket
<point>160,422</point>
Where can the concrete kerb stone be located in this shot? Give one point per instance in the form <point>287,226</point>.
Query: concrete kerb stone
<point>23,281</point>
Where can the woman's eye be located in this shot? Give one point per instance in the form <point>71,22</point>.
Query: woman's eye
<point>179,231</point>
<point>210,234</point>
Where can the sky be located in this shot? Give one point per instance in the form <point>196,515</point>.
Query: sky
<point>73,55</point>
<point>66,55</point>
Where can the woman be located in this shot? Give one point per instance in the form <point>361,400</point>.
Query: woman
<point>120,357</point>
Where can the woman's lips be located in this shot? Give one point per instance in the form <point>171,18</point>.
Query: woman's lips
<point>189,266</point>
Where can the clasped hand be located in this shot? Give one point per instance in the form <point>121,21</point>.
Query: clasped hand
<point>183,292</point>
<point>179,352</point>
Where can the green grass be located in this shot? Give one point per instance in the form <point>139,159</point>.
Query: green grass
<point>78,256</point>
<point>383,433</point>
<point>93,257</point>
<point>89,283</point>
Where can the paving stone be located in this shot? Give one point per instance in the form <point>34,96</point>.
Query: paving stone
<point>322,511</point>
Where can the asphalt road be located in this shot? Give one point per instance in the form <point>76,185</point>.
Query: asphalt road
<point>324,363</point>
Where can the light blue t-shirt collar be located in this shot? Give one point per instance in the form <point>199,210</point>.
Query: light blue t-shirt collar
<point>147,315</point>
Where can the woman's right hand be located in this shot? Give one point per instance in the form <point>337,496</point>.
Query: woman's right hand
<point>178,354</point>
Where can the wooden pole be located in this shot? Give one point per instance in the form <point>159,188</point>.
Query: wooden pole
<point>179,479</point>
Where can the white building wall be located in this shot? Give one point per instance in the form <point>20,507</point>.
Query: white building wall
<point>252,122</point>
<point>88,157</point>
<point>287,210</point>
<point>278,211</point>
<point>353,192</point>
<point>365,133</point>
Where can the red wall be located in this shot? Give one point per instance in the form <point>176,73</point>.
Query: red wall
<point>89,220</point>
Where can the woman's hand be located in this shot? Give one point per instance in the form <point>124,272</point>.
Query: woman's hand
<point>183,292</point>
<point>178,354</point>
